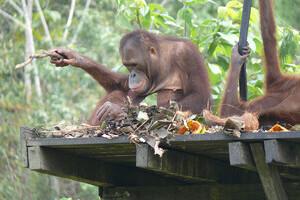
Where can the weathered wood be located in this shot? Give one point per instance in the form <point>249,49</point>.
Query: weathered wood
<point>291,174</point>
<point>190,167</point>
<point>240,155</point>
<point>194,192</point>
<point>58,163</point>
<point>268,174</point>
<point>83,159</point>
<point>249,137</point>
<point>179,139</point>
<point>25,134</point>
<point>282,153</point>
<point>71,142</point>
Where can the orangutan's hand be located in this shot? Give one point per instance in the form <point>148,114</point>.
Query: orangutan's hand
<point>110,110</point>
<point>238,60</point>
<point>62,57</point>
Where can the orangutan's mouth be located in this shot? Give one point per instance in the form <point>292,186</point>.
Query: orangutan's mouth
<point>140,87</point>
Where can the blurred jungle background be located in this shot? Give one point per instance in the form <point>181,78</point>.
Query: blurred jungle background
<point>42,94</point>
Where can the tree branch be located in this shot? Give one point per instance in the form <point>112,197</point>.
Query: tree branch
<point>138,18</point>
<point>16,7</point>
<point>45,25</point>
<point>8,16</point>
<point>65,35</point>
<point>164,2</point>
<point>86,8</point>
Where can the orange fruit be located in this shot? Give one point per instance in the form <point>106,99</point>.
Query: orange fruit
<point>278,128</point>
<point>195,127</point>
<point>182,129</point>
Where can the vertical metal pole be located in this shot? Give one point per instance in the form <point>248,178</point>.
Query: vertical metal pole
<point>242,44</point>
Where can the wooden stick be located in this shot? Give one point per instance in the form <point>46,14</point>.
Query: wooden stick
<point>43,54</point>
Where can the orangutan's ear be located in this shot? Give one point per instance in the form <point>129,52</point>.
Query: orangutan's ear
<point>152,51</point>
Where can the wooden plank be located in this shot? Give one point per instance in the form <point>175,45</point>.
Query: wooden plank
<point>291,174</point>
<point>193,192</point>
<point>177,140</point>
<point>247,137</point>
<point>190,167</point>
<point>240,156</point>
<point>54,162</point>
<point>282,153</point>
<point>268,174</point>
<point>77,141</point>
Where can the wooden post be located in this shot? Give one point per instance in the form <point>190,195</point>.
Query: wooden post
<point>268,174</point>
<point>282,153</point>
<point>240,156</point>
<point>25,133</point>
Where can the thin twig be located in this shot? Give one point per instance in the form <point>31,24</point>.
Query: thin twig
<point>16,7</point>
<point>141,125</point>
<point>45,25</point>
<point>8,16</point>
<point>173,119</point>
<point>138,18</point>
<point>31,58</point>
<point>69,22</point>
<point>82,20</point>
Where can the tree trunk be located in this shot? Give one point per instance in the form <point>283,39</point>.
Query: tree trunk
<point>29,49</point>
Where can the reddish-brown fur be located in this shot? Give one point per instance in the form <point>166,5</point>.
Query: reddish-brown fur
<point>174,68</point>
<point>281,101</point>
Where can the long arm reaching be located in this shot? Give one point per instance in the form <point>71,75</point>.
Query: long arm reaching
<point>108,79</point>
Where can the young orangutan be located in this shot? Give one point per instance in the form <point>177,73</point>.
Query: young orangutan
<point>281,101</point>
<point>171,67</point>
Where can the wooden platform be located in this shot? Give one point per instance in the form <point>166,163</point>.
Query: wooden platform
<point>210,166</point>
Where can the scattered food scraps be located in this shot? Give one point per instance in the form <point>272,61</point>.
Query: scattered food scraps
<point>233,125</point>
<point>153,125</point>
<point>278,128</point>
<point>193,127</point>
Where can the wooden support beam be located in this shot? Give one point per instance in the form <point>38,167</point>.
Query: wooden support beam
<point>190,166</point>
<point>240,156</point>
<point>282,153</point>
<point>93,171</point>
<point>24,134</point>
<point>268,174</point>
<point>291,174</point>
<point>194,192</point>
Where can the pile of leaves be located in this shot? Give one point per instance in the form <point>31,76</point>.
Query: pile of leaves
<point>146,124</point>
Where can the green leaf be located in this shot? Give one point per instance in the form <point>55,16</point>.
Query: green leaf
<point>186,14</point>
<point>53,14</point>
<point>231,39</point>
<point>215,69</point>
<point>194,2</point>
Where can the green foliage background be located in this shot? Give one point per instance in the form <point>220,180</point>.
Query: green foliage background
<point>69,94</point>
